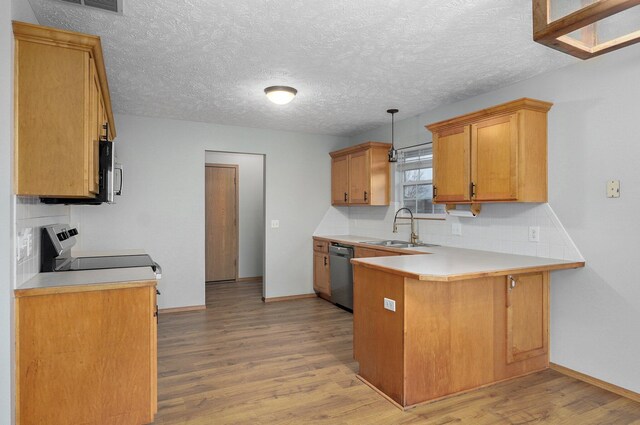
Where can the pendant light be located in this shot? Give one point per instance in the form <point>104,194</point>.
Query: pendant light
<point>280,95</point>
<point>393,153</point>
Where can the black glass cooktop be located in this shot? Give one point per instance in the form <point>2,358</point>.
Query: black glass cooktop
<point>112,262</point>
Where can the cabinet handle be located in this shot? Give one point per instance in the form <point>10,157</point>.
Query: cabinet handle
<point>472,190</point>
<point>365,196</point>
<point>325,261</point>
<point>435,193</point>
<point>105,138</point>
<point>345,197</point>
<point>511,284</point>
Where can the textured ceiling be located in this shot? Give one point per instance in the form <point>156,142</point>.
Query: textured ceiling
<point>350,60</point>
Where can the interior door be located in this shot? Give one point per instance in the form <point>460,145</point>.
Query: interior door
<point>359,178</point>
<point>494,158</point>
<point>221,216</point>
<point>452,165</point>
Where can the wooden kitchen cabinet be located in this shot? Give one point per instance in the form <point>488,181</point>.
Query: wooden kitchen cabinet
<point>527,301</point>
<point>87,354</point>
<point>497,154</point>
<point>360,252</point>
<point>360,175</point>
<point>321,269</point>
<point>62,109</point>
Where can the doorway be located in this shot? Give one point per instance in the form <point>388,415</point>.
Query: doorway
<point>234,217</point>
<point>221,222</point>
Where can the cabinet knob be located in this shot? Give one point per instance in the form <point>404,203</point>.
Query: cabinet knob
<point>365,196</point>
<point>345,197</point>
<point>325,260</point>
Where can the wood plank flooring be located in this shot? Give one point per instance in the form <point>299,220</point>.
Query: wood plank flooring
<point>245,362</point>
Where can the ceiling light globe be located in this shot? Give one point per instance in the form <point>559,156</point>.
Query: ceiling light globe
<point>280,95</point>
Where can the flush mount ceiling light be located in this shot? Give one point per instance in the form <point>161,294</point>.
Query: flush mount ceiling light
<point>586,28</point>
<point>280,95</point>
<point>393,153</point>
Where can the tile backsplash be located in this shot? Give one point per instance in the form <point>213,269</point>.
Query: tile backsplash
<point>498,228</point>
<point>31,215</point>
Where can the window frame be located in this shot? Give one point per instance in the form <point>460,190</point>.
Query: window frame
<point>400,182</point>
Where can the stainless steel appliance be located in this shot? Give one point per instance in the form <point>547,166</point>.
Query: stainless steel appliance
<point>341,275</point>
<point>56,242</point>
<point>109,184</point>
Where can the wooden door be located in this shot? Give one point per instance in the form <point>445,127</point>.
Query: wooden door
<point>494,159</point>
<point>221,212</point>
<point>527,316</point>
<point>340,180</point>
<point>452,165</point>
<point>321,277</point>
<point>359,177</point>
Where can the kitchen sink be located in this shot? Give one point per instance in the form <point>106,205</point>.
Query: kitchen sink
<point>398,244</point>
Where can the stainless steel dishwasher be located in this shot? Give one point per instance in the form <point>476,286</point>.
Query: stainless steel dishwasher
<point>341,275</point>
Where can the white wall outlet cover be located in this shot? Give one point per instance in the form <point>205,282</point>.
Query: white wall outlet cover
<point>456,229</point>
<point>613,188</point>
<point>390,304</point>
<point>24,244</point>
<point>275,224</point>
<point>534,234</point>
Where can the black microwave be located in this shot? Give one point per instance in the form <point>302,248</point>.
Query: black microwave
<point>109,184</point>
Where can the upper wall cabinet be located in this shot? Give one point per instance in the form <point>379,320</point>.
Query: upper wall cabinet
<point>497,154</point>
<point>360,175</point>
<point>62,111</point>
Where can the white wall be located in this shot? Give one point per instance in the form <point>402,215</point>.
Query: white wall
<point>19,10</point>
<point>162,207</point>
<point>593,137</point>
<point>251,209</point>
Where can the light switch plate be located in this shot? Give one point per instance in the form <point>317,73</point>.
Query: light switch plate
<point>456,229</point>
<point>275,224</point>
<point>613,189</point>
<point>390,304</point>
<point>534,234</point>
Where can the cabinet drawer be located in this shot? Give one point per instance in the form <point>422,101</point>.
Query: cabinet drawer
<point>320,246</point>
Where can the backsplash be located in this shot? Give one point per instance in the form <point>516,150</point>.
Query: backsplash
<point>31,215</point>
<point>498,228</point>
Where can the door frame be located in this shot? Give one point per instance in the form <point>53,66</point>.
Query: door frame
<point>237,207</point>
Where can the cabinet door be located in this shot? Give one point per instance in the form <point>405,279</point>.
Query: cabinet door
<point>452,167</point>
<point>527,316</point>
<point>340,180</point>
<point>494,159</point>
<point>321,275</point>
<point>360,177</point>
<point>93,120</point>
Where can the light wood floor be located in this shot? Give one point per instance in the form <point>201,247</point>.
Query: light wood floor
<point>245,362</point>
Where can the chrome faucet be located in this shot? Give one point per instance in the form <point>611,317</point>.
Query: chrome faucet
<point>414,235</point>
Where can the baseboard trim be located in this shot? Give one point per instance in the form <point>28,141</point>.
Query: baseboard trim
<point>255,279</point>
<point>288,298</point>
<point>596,382</point>
<point>182,309</point>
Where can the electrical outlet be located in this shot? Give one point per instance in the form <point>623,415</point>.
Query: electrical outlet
<point>390,304</point>
<point>275,224</point>
<point>534,234</point>
<point>24,244</point>
<point>613,189</point>
<point>456,229</point>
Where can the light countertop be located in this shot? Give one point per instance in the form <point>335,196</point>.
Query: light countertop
<point>448,264</point>
<point>86,280</point>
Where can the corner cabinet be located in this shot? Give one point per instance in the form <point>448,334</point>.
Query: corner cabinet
<point>87,354</point>
<point>497,154</point>
<point>360,175</point>
<point>62,111</point>
<point>321,271</point>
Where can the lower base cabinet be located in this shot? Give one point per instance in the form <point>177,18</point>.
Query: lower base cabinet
<point>87,357</point>
<point>321,274</point>
<point>445,337</point>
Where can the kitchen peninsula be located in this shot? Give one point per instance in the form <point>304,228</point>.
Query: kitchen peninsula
<point>430,326</point>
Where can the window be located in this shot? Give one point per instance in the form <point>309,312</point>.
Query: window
<point>415,181</point>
